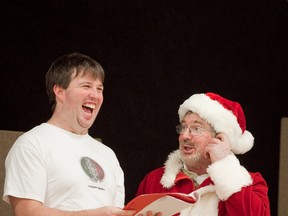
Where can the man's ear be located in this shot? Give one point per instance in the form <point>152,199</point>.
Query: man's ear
<point>59,93</point>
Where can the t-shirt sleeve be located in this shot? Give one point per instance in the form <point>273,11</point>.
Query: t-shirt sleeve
<point>25,172</point>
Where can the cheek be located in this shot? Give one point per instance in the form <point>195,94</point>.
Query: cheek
<point>100,99</point>
<point>72,96</point>
<point>180,139</point>
<point>202,145</point>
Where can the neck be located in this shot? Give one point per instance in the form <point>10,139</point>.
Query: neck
<point>197,170</point>
<point>63,124</point>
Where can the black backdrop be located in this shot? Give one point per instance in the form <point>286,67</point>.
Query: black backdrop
<point>155,54</point>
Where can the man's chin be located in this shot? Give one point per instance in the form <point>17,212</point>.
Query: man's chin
<point>86,124</point>
<point>190,158</point>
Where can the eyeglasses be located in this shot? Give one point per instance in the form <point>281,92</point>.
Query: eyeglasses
<point>194,130</point>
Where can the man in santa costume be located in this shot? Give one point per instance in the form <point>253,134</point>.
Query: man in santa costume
<point>212,131</point>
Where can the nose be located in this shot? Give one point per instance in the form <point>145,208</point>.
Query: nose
<point>186,134</point>
<point>93,94</point>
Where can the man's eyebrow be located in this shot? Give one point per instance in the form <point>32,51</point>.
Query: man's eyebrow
<point>199,122</point>
<point>85,82</point>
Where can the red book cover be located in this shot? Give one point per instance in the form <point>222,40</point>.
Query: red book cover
<point>167,203</point>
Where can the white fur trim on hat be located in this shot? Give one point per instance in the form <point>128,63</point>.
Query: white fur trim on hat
<point>220,118</point>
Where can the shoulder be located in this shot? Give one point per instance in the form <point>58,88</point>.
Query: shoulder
<point>155,174</point>
<point>151,182</point>
<point>97,145</point>
<point>29,138</point>
<point>258,178</point>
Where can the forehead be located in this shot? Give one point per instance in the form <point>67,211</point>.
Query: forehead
<point>193,118</point>
<point>87,72</point>
<point>82,77</point>
<point>83,74</point>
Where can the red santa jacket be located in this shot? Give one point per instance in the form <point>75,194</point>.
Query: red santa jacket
<point>229,190</point>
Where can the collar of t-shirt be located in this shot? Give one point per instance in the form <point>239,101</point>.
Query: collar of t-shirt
<point>197,179</point>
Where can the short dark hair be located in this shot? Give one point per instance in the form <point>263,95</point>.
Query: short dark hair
<point>61,70</point>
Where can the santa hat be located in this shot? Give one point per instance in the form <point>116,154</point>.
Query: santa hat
<point>224,115</point>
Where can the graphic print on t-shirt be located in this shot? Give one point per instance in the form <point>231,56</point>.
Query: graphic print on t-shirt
<point>92,169</point>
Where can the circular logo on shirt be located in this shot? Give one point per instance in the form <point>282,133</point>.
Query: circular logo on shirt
<point>92,169</point>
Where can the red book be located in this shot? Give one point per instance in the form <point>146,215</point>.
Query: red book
<point>167,203</point>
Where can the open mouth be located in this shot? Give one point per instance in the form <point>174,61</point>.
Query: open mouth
<point>188,149</point>
<point>88,108</point>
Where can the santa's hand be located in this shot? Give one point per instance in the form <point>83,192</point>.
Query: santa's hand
<point>219,148</point>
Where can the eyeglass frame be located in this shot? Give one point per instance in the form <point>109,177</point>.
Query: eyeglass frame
<point>181,130</point>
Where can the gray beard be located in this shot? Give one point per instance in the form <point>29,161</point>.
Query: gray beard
<point>196,162</point>
<point>191,161</point>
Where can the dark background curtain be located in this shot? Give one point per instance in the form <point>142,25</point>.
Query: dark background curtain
<point>156,54</point>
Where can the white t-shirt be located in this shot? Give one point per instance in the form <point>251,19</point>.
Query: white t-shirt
<point>63,170</point>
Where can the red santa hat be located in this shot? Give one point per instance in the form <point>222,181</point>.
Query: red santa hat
<point>224,115</point>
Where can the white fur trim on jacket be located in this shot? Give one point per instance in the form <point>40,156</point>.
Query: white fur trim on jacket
<point>173,165</point>
<point>228,176</point>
